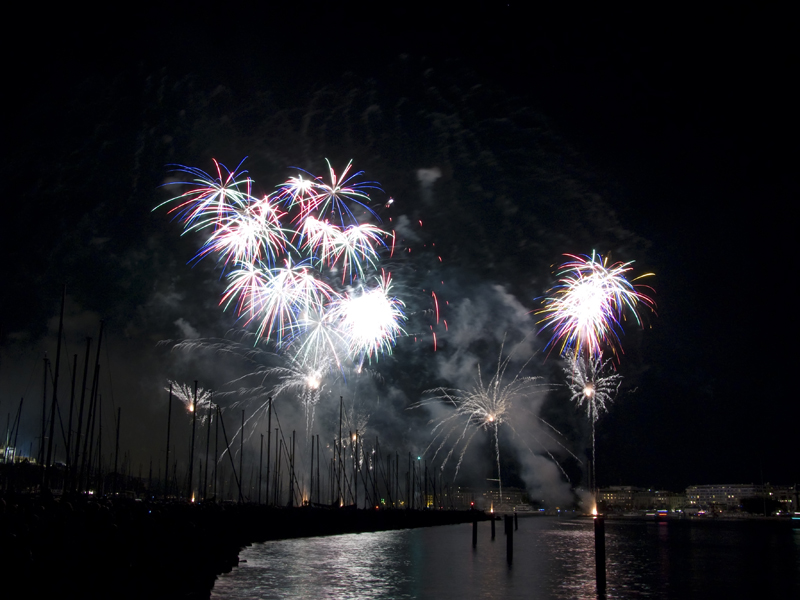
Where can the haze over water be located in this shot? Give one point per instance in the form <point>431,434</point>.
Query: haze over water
<point>553,559</point>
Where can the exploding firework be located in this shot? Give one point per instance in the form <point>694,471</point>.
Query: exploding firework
<point>284,264</point>
<point>186,394</point>
<point>586,308</point>
<point>370,320</point>
<point>210,198</point>
<point>589,387</point>
<point>483,407</point>
<point>593,387</point>
<point>249,235</point>
<point>331,199</point>
<point>305,380</point>
<point>585,312</point>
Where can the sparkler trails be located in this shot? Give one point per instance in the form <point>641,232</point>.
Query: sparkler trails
<point>587,306</point>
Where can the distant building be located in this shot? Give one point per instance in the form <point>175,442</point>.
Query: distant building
<point>461,498</point>
<point>721,496</point>
<point>511,497</point>
<point>624,498</point>
<point>464,498</point>
<point>785,495</point>
<point>618,497</point>
<point>658,500</point>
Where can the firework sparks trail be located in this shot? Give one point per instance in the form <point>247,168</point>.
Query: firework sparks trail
<point>304,379</point>
<point>276,274</point>
<point>484,407</point>
<point>321,339</point>
<point>210,198</point>
<point>589,387</point>
<point>185,393</point>
<point>291,290</point>
<point>328,198</point>
<point>248,236</point>
<point>592,389</point>
<point>370,320</point>
<point>304,375</point>
<point>585,312</point>
<point>355,245</point>
<point>587,306</point>
<point>300,268</point>
<point>358,248</point>
<point>321,239</point>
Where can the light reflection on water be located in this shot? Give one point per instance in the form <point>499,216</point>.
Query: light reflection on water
<point>553,559</point>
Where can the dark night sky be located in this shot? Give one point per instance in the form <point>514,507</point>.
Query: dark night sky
<point>661,138</point>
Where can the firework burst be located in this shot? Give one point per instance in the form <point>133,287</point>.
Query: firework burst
<point>483,407</point>
<point>589,387</point>
<point>210,198</point>
<point>305,380</point>
<point>186,394</point>
<point>585,310</point>
<point>332,198</point>
<point>284,264</point>
<point>250,235</point>
<point>370,319</point>
<point>593,386</point>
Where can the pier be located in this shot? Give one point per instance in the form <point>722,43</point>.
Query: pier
<point>79,547</point>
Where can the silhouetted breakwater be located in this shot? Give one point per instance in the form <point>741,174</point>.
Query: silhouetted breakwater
<point>81,548</point>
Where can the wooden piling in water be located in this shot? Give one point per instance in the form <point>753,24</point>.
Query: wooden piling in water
<point>509,541</point>
<point>600,552</point>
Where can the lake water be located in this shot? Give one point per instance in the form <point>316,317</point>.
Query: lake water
<point>553,559</point>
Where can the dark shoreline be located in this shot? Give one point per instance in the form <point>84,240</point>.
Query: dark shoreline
<point>83,548</point>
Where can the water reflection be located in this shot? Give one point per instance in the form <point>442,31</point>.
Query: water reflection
<point>372,565</point>
<point>567,553</point>
<point>553,559</point>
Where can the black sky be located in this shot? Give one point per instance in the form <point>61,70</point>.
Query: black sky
<point>681,124</point>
